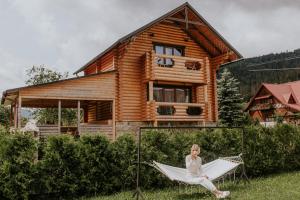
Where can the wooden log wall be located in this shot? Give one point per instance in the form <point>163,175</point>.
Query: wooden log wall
<point>105,63</point>
<point>104,110</point>
<point>131,67</point>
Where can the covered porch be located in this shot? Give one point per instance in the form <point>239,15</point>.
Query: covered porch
<point>91,97</point>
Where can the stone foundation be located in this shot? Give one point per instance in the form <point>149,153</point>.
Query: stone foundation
<point>130,127</point>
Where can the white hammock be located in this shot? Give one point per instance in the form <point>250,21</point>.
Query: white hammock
<point>213,170</point>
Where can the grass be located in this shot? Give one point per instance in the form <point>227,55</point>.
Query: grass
<point>278,187</point>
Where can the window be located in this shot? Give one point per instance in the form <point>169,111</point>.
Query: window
<point>165,93</point>
<point>167,50</point>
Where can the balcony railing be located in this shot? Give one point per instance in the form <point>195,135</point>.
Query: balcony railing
<point>174,68</point>
<point>169,111</point>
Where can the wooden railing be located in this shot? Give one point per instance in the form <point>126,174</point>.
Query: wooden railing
<point>169,111</point>
<point>174,68</point>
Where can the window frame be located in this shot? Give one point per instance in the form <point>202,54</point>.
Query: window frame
<point>173,46</point>
<point>174,87</point>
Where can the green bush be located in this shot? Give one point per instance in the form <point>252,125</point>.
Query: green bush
<point>16,165</point>
<point>96,165</point>
<point>124,157</point>
<point>271,150</point>
<point>91,165</point>
<point>60,167</point>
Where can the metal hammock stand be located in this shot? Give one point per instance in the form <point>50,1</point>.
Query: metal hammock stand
<point>238,159</point>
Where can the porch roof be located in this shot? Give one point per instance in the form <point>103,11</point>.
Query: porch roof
<point>99,86</point>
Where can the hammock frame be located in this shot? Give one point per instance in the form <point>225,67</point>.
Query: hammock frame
<point>138,193</point>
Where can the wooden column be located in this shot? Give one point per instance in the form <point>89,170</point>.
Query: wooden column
<point>114,120</point>
<point>15,115</point>
<point>11,115</point>
<point>150,90</point>
<point>78,116</point>
<point>19,111</point>
<point>59,116</point>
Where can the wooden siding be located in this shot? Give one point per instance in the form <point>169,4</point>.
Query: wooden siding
<point>132,87</point>
<point>178,72</point>
<point>179,115</point>
<point>92,129</point>
<point>104,110</point>
<point>94,87</point>
<point>48,130</point>
<point>103,64</point>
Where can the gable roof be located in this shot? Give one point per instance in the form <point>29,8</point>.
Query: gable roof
<point>172,12</point>
<point>282,92</point>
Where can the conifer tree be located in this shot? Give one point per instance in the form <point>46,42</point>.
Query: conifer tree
<point>230,100</point>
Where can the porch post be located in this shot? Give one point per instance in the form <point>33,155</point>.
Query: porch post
<point>114,120</point>
<point>59,116</point>
<point>11,115</point>
<point>150,90</point>
<point>15,114</point>
<point>19,111</point>
<point>78,116</point>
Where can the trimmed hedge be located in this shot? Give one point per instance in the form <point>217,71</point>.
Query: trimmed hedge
<point>92,165</point>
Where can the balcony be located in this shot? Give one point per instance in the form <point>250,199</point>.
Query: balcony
<point>170,111</point>
<point>177,68</point>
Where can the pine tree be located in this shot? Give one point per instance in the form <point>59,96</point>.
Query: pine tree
<point>230,100</point>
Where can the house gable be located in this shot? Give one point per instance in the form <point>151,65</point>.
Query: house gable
<point>186,18</point>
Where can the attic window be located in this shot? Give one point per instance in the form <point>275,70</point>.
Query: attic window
<point>171,50</point>
<point>291,100</point>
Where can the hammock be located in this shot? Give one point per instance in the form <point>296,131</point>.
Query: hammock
<point>214,170</point>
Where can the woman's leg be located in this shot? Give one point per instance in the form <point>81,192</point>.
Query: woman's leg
<point>208,184</point>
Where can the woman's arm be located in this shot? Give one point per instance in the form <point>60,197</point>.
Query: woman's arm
<point>188,161</point>
<point>200,168</point>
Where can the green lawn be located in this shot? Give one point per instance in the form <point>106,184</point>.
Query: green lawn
<point>282,187</point>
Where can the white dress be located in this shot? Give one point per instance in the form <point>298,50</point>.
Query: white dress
<point>195,173</point>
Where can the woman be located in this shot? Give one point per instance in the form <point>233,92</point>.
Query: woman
<point>193,164</point>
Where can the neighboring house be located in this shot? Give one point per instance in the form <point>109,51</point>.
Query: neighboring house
<point>161,74</point>
<point>276,100</point>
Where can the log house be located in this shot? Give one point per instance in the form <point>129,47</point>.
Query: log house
<point>162,74</point>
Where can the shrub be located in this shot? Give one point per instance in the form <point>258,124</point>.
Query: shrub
<point>69,168</point>
<point>60,168</point>
<point>16,156</point>
<point>96,164</point>
<point>124,157</point>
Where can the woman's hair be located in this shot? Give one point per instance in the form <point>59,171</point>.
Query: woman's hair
<point>195,147</point>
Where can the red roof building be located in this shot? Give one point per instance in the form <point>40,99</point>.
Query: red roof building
<point>272,100</point>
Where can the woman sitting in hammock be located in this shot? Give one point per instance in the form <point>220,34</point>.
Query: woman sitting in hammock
<point>193,164</point>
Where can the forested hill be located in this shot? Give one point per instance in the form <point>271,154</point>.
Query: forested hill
<point>271,68</point>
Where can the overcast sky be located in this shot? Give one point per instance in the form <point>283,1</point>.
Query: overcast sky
<point>65,34</point>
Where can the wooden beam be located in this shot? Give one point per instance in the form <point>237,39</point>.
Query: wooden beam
<point>59,116</point>
<point>19,111</point>
<point>194,38</point>
<point>150,90</point>
<point>11,115</point>
<point>186,18</point>
<point>78,116</point>
<point>183,20</point>
<point>15,115</point>
<point>205,37</point>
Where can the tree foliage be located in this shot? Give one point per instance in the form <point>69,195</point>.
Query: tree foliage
<point>40,75</point>
<point>230,100</point>
<point>4,116</point>
<point>271,68</point>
